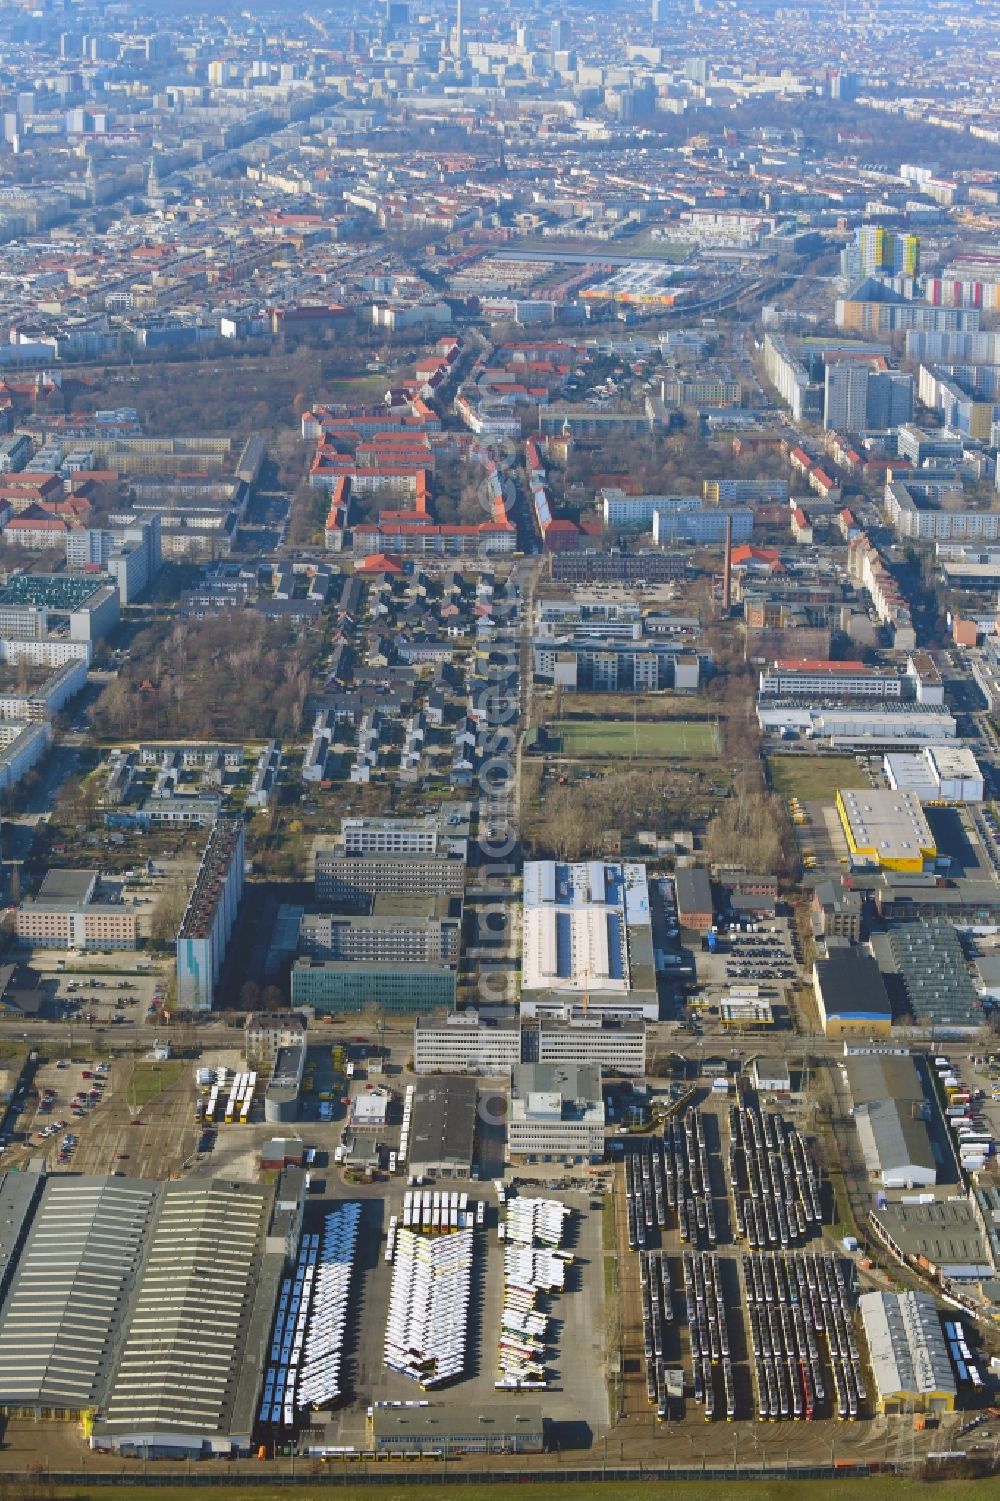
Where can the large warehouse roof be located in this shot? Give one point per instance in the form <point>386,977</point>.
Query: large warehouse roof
<point>581,926</point>
<point>60,1325</point>
<point>935,975</point>
<point>443,1129</point>
<point>849,983</point>
<point>194,1346</point>
<point>886,827</point>
<point>905,1341</point>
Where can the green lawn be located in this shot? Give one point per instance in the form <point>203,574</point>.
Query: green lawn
<point>150,1079</point>
<point>625,739</point>
<point>366,388</point>
<point>876,1488</point>
<point>814,778</point>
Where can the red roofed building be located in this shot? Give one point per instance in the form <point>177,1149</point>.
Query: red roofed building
<point>757,559</point>
<point>35,527</point>
<point>380,562</point>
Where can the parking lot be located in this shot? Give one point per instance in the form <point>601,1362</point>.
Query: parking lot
<point>68,1092</point>
<point>769,956</point>
<point>576,1398</point>
<point>114,988</point>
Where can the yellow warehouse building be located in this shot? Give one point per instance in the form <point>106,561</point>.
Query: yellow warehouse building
<point>887,829</point>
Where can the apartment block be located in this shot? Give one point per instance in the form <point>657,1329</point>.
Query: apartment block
<point>67,913</point>
<point>400,929</point>
<point>210,916</point>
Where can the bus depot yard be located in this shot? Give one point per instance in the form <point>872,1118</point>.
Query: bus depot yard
<point>686,1302</point>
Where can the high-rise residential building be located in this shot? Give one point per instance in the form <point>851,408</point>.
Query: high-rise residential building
<point>859,396</point>
<point>845,402</point>
<point>879,251</point>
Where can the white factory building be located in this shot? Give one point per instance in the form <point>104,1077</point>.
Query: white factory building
<point>909,1356</point>
<point>946,773</point>
<point>587,941</point>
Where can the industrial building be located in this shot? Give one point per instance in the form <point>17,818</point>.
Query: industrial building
<point>189,1366</point>
<point>938,1234</point>
<point>908,1353</point>
<point>58,1347</point>
<point>695,904</point>
<point>67,913</point>
<point>860,724</point>
<point>836,911</point>
<point>891,1111</point>
<point>458,1428</point>
<point>467,1042</point>
<point>281,1096</point>
<point>556,1113</point>
<point>210,915</point>
<point>443,1127</point>
<point>587,940</point>
<point>886,829</point>
<point>930,962</point>
<point>850,995</point>
<point>140,1308</point>
<point>949,773</point>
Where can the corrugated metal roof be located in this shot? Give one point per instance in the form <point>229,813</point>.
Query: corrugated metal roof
<point>61,1320</point>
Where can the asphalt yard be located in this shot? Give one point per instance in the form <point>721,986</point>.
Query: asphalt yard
<point>576,1400</point>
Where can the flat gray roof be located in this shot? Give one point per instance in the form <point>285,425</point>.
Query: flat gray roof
<point>945,1231</point>
<point>443,1124</point>
<point>448,1422</point>
<point>69,887</point>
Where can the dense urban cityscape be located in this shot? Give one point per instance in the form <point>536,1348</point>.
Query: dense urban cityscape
<point>500,747</point>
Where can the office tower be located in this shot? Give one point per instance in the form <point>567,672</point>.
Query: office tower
<point>559,36</point>
<point>459,47</point>
<point>397,18</point>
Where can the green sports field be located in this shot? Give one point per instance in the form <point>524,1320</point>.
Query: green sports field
<point>623,740</point>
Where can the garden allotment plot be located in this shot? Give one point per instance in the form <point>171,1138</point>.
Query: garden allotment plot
<point>625,739</point>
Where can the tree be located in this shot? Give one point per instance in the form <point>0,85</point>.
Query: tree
<point>250,995</point>
<point>168,913</point>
